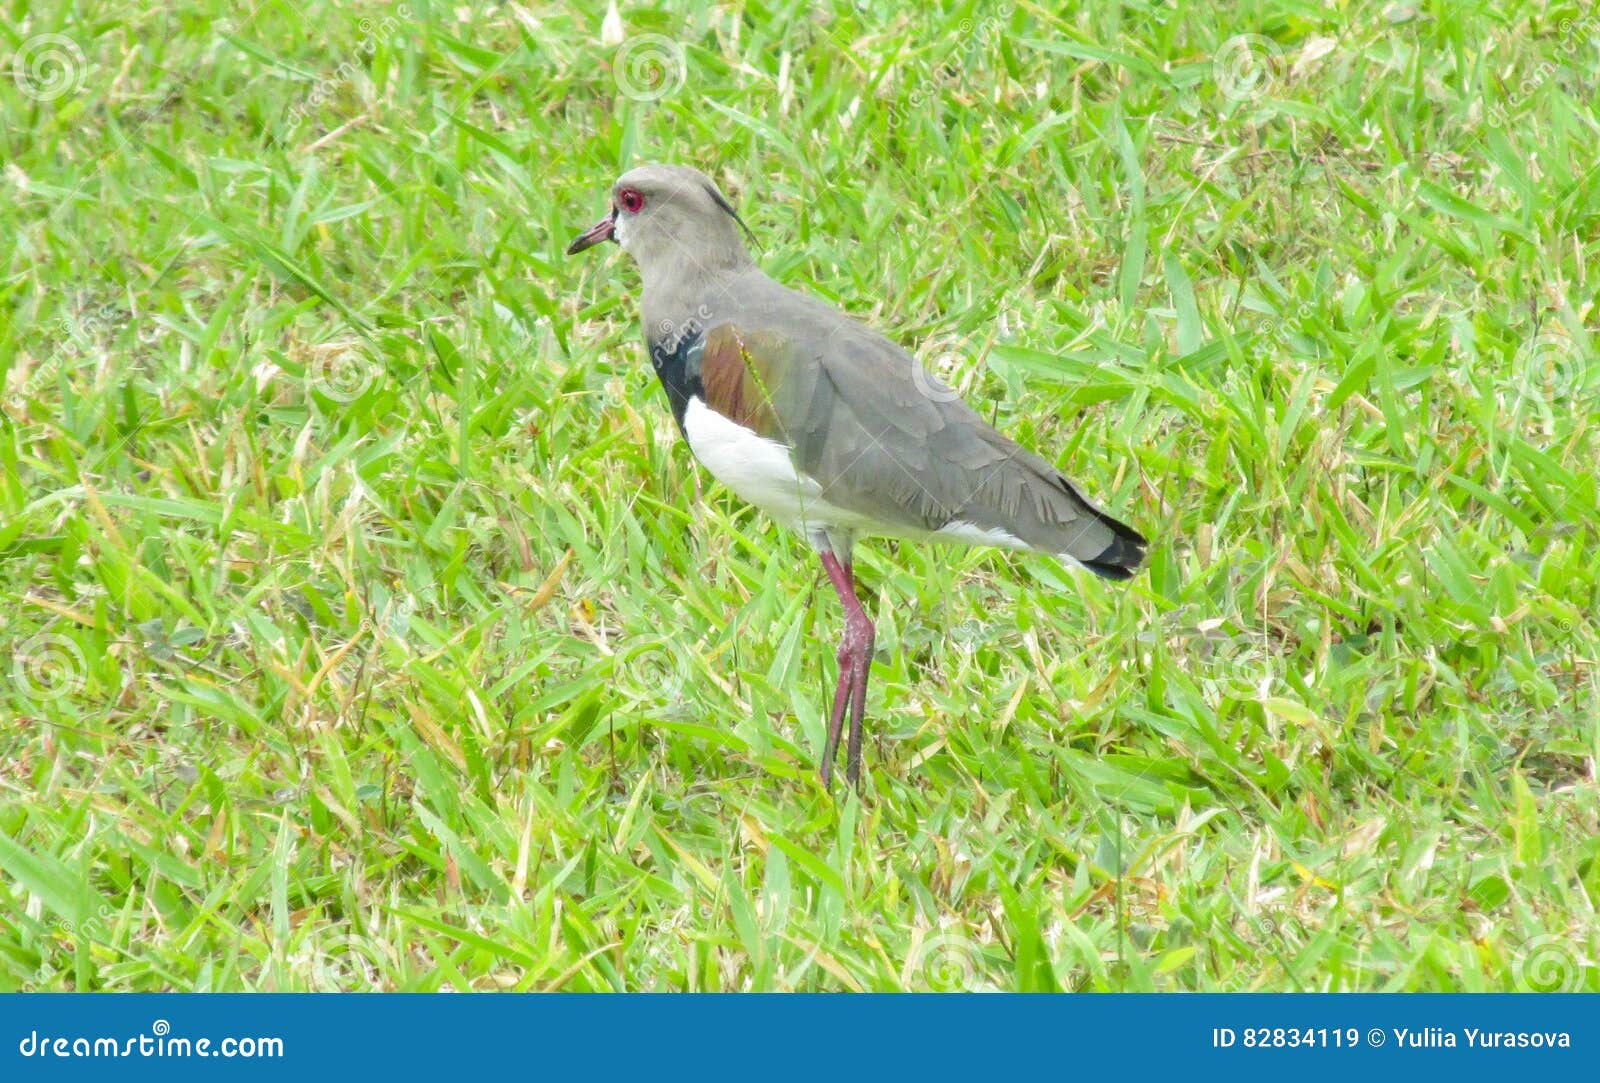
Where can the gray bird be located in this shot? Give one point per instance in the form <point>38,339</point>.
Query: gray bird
<point>826,425</point>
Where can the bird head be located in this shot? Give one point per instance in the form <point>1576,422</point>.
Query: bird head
<point>669,218</point>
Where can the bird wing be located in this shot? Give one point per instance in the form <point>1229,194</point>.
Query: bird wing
<point>749,376</point>
<point>885,439</point>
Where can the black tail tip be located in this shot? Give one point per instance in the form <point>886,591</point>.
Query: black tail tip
<point>1121,559</point>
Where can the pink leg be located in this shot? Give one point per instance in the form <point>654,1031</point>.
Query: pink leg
<point>855,659</point>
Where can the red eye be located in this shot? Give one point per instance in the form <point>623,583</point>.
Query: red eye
<point>631,200</point>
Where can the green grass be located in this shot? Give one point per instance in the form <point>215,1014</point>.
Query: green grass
<point>364,625</point>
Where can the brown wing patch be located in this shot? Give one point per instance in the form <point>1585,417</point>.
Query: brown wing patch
<point>738,372</point>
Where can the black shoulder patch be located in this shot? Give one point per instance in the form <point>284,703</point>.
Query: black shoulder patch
<point>677,364</point>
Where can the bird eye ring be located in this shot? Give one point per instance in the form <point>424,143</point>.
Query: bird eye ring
<point>630,200</point>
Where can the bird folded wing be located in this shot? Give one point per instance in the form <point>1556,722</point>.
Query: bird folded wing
<point>887,441</point>
<point>750,378</point>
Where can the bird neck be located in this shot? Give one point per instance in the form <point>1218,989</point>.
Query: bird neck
<point>687,295</point>
<point>678,274</point>
<point>677,311</point>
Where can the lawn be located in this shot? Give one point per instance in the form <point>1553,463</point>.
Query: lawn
<point>364,623</point>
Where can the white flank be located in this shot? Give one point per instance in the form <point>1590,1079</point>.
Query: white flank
<point>965,533</point>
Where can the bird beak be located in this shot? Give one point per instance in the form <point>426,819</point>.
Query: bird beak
<point>600,231</point>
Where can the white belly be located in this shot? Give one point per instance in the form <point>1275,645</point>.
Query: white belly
<point>761,471</point>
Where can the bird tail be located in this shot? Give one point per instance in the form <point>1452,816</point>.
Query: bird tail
<point>1106,546</point>
<point>1122,558</point>
<point>1024,502</point>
